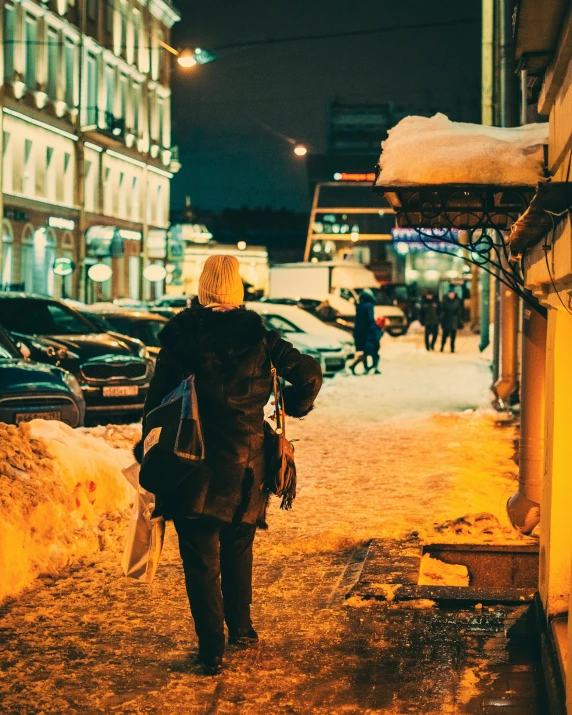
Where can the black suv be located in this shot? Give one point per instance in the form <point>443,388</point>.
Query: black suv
<point>113,371</point>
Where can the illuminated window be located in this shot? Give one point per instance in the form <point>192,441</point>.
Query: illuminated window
<point>109,94</point>
<point>50,174</point>
<point>53,63</point>
<point>29,175</point>
<point>123,95</point>
<point>70,55</point>
<point>160,206</point>
<point>135,200</point>
<point>124,10</point>
<point>136,37</point>
<point>108,192</point>
<point>161,120</point>
<point>31,50</point>
<point>68,179</point>
<point>92,90</point>
<point>136,107</point>
<point>9,34</point>
<point>6,254</point>
<point>8,163</point>
<point>121,202</point>
<point>90,185</point>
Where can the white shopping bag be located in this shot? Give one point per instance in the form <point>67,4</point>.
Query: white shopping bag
<point>145,535</point>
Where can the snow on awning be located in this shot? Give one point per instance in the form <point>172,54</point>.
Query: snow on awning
<point>436,151</point>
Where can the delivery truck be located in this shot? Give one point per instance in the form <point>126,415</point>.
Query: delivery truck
<point>337,282</point>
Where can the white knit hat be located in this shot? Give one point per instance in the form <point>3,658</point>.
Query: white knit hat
<point>220,281</point>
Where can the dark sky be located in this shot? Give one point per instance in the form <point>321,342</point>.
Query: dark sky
<point>230,160</point>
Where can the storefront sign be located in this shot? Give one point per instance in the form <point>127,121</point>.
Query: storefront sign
<point>99,272</point>
<point>64,266</point>
<point>64,224</point>
<point>16,215</point>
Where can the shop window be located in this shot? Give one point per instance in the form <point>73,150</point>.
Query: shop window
<point>134,264</point>
<point>9,34</point>
<point>53,63</point>
<point>6,255</point>
<point>31,51</point>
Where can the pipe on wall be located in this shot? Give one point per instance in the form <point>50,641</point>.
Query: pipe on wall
<point>523,508</point>
<point>507,382</point>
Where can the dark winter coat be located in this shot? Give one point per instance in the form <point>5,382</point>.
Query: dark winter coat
<point>367,332</point>
<point>430,312</point>
<point>226,350</point>
<point>451,314</point>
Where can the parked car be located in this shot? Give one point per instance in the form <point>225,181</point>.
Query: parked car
<point>169,305</point>
<point>142,325</point>
<point>32,390</point>
<point>288,320</point>
<point>113,370</point>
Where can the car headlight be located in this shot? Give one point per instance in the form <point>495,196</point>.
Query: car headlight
<point>73,385</point>
<point>144,353</point>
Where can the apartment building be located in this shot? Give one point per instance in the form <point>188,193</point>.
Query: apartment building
<point>87,157</point>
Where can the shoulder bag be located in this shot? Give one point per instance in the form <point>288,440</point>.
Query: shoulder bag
<point>279,465</point>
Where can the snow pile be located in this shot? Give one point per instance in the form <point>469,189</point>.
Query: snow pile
<point>435,150</point>
<point>434,572</point>
<point>123,436</point>
<point>62,497</point>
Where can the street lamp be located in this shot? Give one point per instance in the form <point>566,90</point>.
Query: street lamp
<point>300,150</point>
<point>188,58</point>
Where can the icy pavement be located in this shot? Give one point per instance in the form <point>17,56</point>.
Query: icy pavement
<point>411,450</point>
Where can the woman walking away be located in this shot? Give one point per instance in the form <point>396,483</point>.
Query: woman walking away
<point>367,333</point>
<point>221,501</point>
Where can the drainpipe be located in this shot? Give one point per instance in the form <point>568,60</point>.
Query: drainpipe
<point>485,279</point>
<point>523,508</point>
<point>507,383</point>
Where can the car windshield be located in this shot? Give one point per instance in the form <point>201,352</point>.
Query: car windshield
<point>43,317</point>
<point>8,350</point>
<point>281,325</point>
<point>144,329</point>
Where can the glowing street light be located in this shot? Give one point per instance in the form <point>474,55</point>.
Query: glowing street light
<point>300,150</point>
<point>186,59</point>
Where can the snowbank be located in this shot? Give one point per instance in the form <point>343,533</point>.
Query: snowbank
<point>435,150</point>
<point>62,495</point>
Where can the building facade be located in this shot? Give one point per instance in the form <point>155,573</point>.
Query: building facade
<point>87,157</point>
<point>544,50</point>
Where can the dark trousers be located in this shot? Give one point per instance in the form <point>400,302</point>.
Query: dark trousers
<point>431,332</point>
<point>449,334</point>
<point>217,561</point>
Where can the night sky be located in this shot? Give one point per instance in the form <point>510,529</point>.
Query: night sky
<point>230,159</point>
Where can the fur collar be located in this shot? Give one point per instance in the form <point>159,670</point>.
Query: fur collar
<point>218,339</point>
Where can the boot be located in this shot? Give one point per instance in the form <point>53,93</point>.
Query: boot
<point>244,637</point>
<point>210,664</point>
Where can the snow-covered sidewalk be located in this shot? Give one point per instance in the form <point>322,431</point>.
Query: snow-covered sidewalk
<point>413,449</point>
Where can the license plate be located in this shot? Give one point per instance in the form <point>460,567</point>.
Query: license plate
<point>120,391</point>
<point>29,416</point>
<point>335,364</point>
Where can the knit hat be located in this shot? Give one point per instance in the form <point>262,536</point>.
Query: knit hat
<point>220,281</point>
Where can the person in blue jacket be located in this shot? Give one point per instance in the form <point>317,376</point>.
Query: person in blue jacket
<point>367,334</point>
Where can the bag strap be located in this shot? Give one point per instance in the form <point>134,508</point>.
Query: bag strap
<point>279,412</point>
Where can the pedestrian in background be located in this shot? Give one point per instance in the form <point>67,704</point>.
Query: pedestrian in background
<point>218,506</point>
<point>451,318</point>
<point>367,333</point>
<point>429,317</point>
